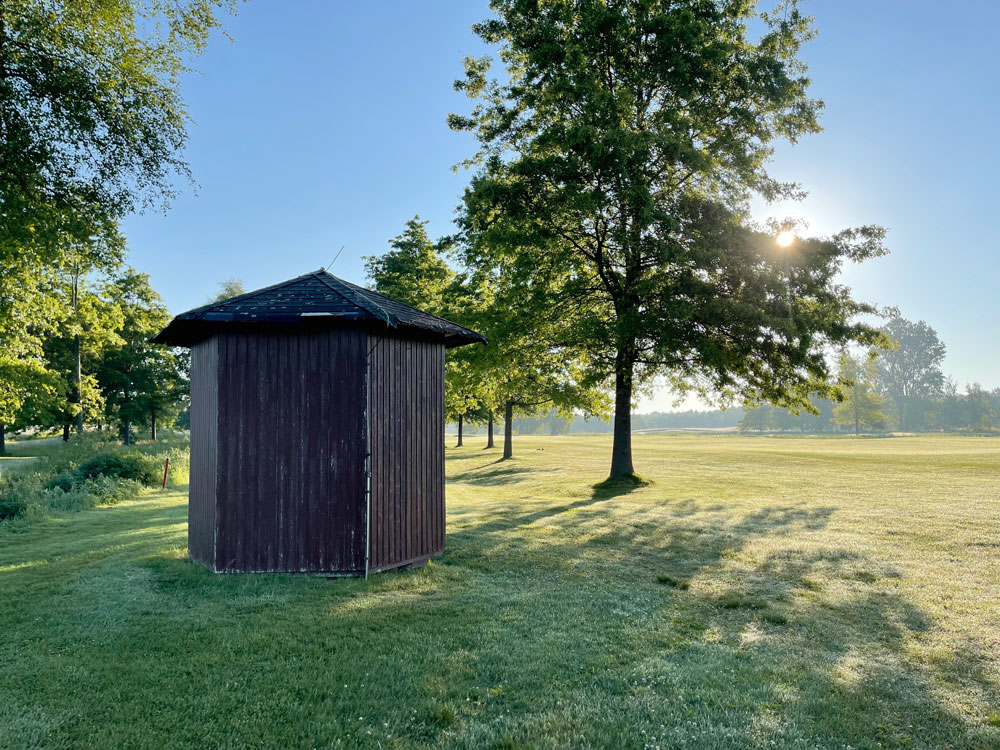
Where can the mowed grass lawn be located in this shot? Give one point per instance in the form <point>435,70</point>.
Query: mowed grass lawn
<point>761,592</point>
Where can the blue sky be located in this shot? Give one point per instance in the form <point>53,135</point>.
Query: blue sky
<point>322,125</point>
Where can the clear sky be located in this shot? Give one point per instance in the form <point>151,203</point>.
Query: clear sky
<point>321,125</point>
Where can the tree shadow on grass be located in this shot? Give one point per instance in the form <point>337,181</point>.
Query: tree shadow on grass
<point>618,486</point>
<point>498,472</point>
<point>820,644</point>
<point>531,610</point>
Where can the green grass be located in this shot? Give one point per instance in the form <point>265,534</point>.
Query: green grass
<point>753,592</point>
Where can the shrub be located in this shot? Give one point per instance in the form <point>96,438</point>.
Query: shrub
<point>11,505</point>
<point>83,473</point>
<point>111,491</point>
<point>74,498</point>
<point>134,466</point>
<point>64,481</point>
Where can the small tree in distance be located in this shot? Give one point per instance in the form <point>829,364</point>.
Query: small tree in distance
<point>910,372</point>
<point>862,405</point>
<point>231,287</point>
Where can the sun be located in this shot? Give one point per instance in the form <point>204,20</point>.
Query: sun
<point>785,238</point>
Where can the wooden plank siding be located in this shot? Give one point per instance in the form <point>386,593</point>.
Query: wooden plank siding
<point>290,492</point>
<point>406,418</point>
<point>204,451</point>
<point>278,449</point>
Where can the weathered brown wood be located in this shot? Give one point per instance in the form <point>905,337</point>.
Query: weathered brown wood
<point>407,423</point>
<point>204,451</point>
<point>278,451</point>
<point>278,455</point>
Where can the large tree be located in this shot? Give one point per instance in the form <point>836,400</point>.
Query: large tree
<point>910,372</point>
<point>617,158</point>
<point>92,124</point>
<point>533,363</point>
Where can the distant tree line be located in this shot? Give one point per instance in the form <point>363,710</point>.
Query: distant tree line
<point>91,362</point>
<point>901,388</point>
<point>554,423</point>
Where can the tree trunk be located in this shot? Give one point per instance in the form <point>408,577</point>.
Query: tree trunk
<point>857,410</point>
<point>127,432</point>
<point>76,394</point>
<point>459,443</point>
<point>153,423</point>
<point>3,439</point>
<point>489,430</point>
<point>78,385</point>
<point>621,450</point>
<point>65,433</point>
<point>508,429</point>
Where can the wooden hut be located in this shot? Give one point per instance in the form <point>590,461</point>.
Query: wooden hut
<point>317,429</point>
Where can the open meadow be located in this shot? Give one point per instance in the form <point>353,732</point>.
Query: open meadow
<point>778,592</point>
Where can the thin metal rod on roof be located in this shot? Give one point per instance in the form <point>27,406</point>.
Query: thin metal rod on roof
<point>335,257</point>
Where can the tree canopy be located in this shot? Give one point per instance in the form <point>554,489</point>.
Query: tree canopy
<point>231,287</point>
<point>910,370</point>
<point>141,382</point>
<point>617,158</point>
<point>92,121</point>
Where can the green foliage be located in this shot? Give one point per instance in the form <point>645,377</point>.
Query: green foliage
<point>12,503</point>
<point>862,406</point>
<point>28,313</point>
<point>143,384</point>
<point>616,163</point>
<point>93,127</point>
<point>131,465</point>
<point>92,115</point>
<point>910,371</point>
<point>99,333</point>
<point>413,271</point>
<point>88,326</point>
<point>84,473</point>
<point>525,367</point>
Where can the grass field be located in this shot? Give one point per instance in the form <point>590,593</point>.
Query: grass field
<point>760,592</point>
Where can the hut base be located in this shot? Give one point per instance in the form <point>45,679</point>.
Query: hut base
<point>416,562</point>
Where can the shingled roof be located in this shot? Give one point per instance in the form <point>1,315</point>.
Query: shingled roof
<point>311,299</point>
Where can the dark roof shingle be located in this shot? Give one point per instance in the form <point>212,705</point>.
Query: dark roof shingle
<point>310,298</point>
